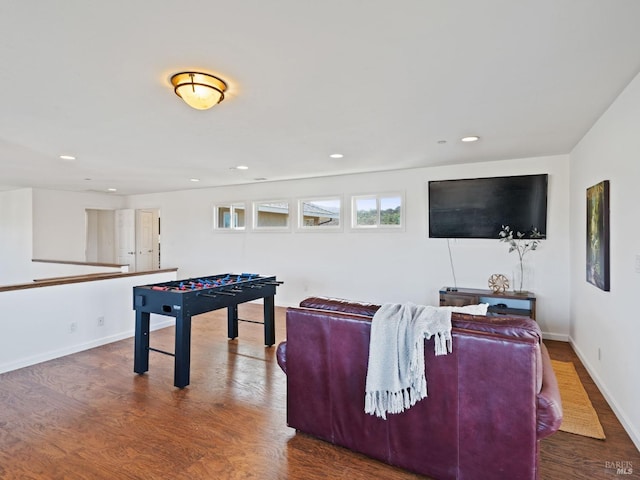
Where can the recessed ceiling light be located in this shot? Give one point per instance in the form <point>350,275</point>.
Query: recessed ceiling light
<point>112,189</point>
<point>242,167</point>
<point>336,155</point>
<point>442,142</point>
<point>67,157</point>
<point>194,179</point>
<point>260,179</point>
<point>472,138</point>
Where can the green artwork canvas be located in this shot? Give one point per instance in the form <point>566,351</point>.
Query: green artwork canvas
<point>598,235</point>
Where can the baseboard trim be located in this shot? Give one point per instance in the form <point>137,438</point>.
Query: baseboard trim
<point>560,337</point>
<point>626,424</point>
<point>53,354</point>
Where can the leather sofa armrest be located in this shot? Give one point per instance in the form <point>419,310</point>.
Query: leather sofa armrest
<point>549,411</point>
<point>281,356</point>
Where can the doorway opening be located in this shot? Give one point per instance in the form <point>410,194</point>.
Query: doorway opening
<point>124,237</point>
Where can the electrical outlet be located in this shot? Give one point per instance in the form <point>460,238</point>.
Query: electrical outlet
<point>101,321</point>
<point>73,326</point>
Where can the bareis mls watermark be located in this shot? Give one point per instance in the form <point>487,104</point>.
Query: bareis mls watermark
<point>620,468</point>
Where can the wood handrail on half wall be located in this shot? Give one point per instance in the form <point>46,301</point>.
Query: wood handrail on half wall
<point>73,262</point>
<point>92,277</point>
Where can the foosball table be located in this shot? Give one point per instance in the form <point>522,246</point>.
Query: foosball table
<point>183,299</point>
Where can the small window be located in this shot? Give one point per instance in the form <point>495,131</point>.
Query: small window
<point>377,211</point>
<point>271,215</point>
<point>229,216</point>
<point>320,214</point>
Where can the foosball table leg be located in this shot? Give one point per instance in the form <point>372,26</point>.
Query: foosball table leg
<point>182,360</point>
<point>141,348</point>
<point>269,321</point>
<point>232,321</point>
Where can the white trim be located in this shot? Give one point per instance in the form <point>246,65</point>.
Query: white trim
<point>300,227</point>
<point>559,337</point>
<point>290,212</point>
<point>232,207</point>
<point>53,354</point>
<point>626,423</point>
<point>378,197</point>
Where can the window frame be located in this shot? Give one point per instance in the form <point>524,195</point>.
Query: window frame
<point>272,228</point>
<point>300,226</point>
<point>378,227</point>
<point>232,207</point>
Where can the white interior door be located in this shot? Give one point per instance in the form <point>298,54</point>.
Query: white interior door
<point>106,236</point>
<point>145,241</point>
<point>91,250</point>
<point>126,237</point>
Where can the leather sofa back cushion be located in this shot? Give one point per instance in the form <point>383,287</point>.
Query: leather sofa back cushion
<point>520,327</point>
<point>502,325</point>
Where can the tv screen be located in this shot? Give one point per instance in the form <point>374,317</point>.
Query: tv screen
<point>478,207</point>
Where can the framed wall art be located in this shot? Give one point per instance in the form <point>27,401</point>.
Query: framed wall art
<point>598,235</point>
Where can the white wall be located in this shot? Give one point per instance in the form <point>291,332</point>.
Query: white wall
<point>15,236</point>
<point>607,322</point>
<point>59,222</point>
<point>368,266</point>
<point>46,224</point>
<point>36,322</point>
<point>42,270</point>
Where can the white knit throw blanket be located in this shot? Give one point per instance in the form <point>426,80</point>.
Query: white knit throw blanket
<point>396,374</point>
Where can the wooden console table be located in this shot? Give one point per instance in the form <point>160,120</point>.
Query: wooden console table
<point>507,303</point>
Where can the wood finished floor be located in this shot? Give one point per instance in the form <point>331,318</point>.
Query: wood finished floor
<point>88,416</point>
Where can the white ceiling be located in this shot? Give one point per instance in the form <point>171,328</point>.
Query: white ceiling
<point>379,81</point>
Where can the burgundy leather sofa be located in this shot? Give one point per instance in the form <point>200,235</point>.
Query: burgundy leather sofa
<point>489,403</point>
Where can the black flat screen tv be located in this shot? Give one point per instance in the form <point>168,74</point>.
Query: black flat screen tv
<point>478,207</point>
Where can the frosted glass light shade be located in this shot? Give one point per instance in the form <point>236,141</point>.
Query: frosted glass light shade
<point>199,90</point>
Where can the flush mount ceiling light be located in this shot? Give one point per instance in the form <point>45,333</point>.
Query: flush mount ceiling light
<point>472,138</point>
<point>198,90</point>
